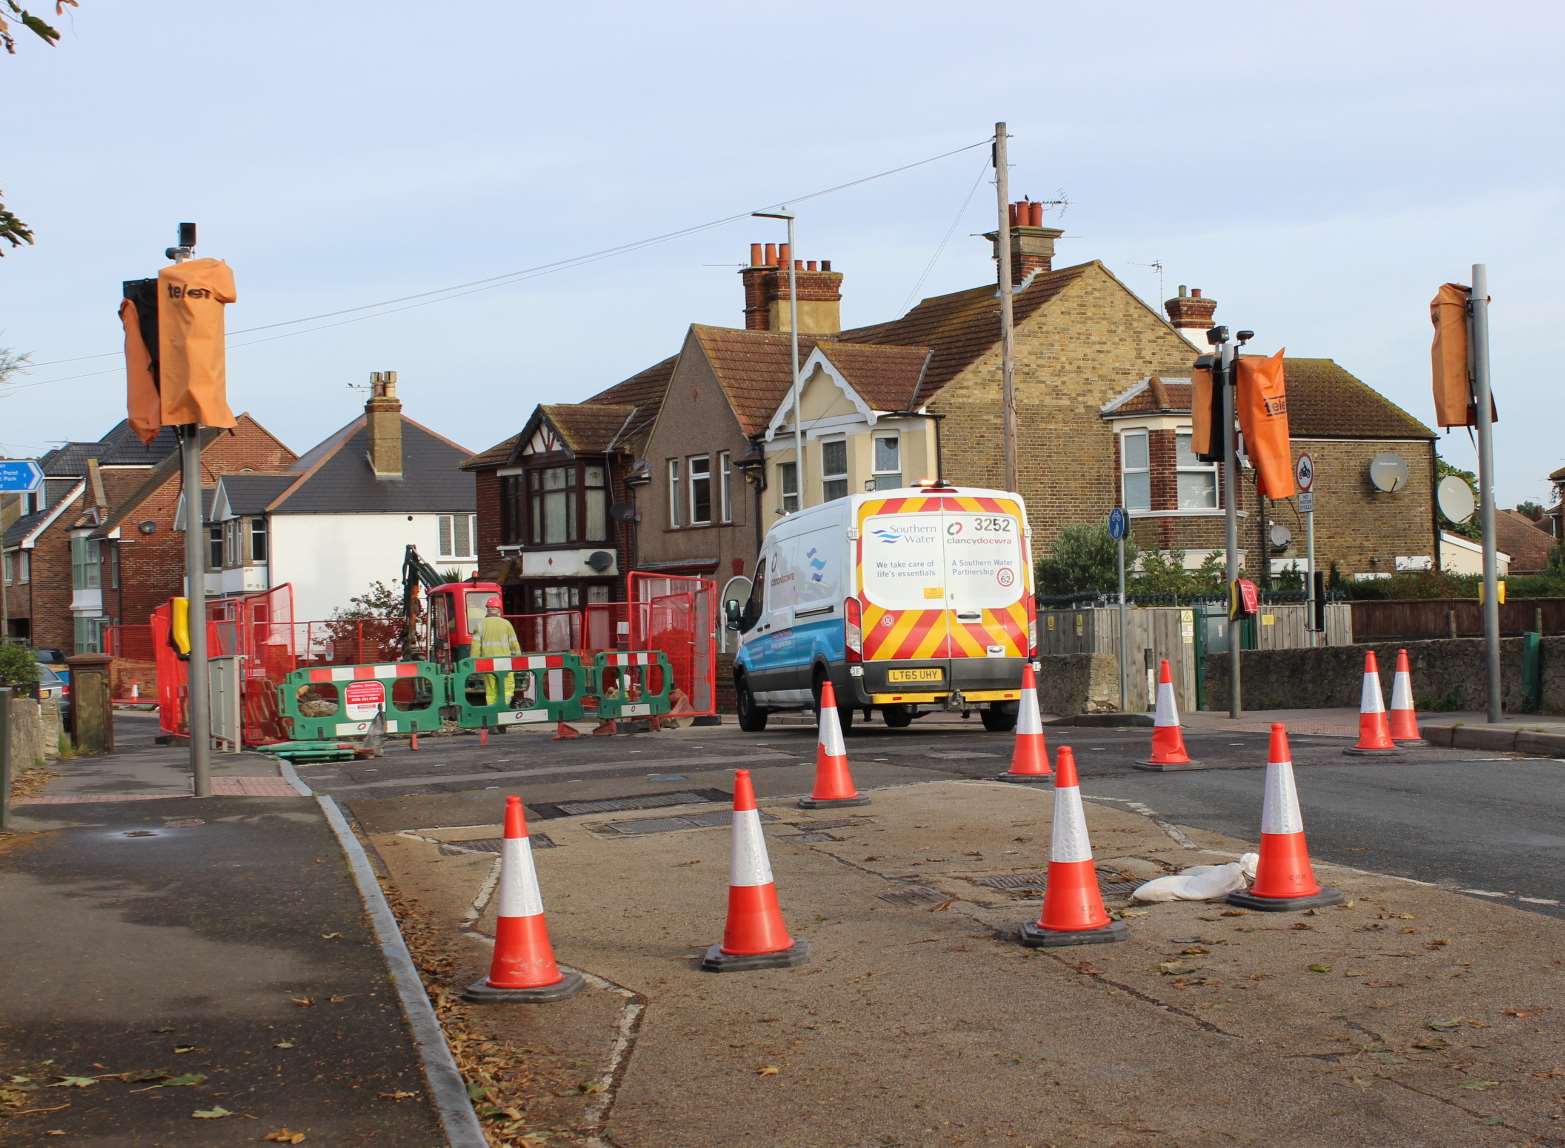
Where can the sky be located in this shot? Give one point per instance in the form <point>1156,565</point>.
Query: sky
<point>1318,168</point>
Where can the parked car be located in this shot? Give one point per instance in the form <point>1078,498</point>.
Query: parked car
<point>52,685</point>
<point>904,599</point>
<point>55,659</point>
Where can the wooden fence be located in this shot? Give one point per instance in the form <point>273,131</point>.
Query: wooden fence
<point>1421,618</point>
<point>1182,634</point>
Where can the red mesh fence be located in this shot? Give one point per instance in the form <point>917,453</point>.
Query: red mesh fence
<point>605,626</point>
<point>553,631</point>
<point>678,615</point>
<point>347,643</point>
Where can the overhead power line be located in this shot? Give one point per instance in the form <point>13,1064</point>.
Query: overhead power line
<point>473,286</point>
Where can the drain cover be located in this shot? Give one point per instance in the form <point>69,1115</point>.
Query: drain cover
<point>810,838</point>
<point>1035,881</point>
<point>913,895</point>
<point>644,825</point>
<point>626,804</point>
<point>492,844</point>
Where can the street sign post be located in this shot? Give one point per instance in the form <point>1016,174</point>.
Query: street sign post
<point>1119,527</point>
<point>1304,474</point>
<point>20,476</point>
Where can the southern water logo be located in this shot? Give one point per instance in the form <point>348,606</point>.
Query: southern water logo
<point>816,564</point>
<point>887,535</point>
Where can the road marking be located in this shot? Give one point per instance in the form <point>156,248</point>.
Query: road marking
<point>1179,835</point>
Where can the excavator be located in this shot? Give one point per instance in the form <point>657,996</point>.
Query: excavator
<point>443,633</point>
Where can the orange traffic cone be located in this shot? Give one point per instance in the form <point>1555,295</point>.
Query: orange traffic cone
<point>523,967</point>
<point>1404,718</point>
<point>1283,877</point>
<point>833,781</point>
<point>1168,743</point>
<point>564,731</point>
<point>1073,912</point>
<point>1030,758</point>
<point>1374,731</point>
<point>755,936</point>
<point>413,741</point>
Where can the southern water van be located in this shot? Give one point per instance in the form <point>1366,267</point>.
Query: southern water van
<point>906,599</point>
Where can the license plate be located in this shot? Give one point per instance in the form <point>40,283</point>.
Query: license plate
<point>932,674</point>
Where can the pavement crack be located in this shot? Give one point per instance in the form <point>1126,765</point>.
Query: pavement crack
<point>1131,990</point>
<point>1446,1100</point>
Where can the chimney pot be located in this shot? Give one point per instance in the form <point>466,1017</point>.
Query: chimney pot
<point>1195,292</point>
<point>771,255</point>
<point>1183,290</point>
<point>812,265</point>
<point>825,264</point>
<point>798,265</point>
<point>1035,215</point>
<point>755,255</point>
<point>783,255</point>
<point>1011,211</point>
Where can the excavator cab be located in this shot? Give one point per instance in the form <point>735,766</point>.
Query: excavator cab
<point>456,610</point>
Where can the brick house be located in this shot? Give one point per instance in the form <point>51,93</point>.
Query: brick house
<point>1554,516</point>
<point>556,520</point>
<point>105,546</point>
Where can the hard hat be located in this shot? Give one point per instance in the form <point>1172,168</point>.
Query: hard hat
<point>493,604</point>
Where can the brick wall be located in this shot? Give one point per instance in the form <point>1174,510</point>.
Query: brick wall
<point>50,600</point>
<point>486,484</point>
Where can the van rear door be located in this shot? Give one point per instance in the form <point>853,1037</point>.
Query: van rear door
<point>902,591</point>
<point>986,576</point>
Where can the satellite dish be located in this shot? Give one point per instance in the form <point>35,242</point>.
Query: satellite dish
<point>1280,536</point>
<point>1388,472</point>
<point>600,560</point>
<point>1455,499</point>
<point>622,512</point>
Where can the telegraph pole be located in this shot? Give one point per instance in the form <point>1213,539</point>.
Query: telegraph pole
<point>1007,335</point>
<point>195,576</point>
<point>1478,318</point>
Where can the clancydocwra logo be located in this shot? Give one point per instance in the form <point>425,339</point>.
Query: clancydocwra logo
<point>953,529</point>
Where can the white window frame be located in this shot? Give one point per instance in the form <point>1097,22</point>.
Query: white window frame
<point>674,509</point>
<point>725,506</point>
<point>835,476</point>
<point>703,476</point>
<point>446,537</point>
<point>1126,469</point>
<point>875,473</point>
<point>784,495</point>
<point>1197,468</point>
<point>259,527</point>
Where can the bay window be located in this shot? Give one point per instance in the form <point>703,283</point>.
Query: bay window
<point>1197,479</point>
<point>1135,471</point>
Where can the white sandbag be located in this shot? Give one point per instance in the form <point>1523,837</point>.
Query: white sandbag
<point>1200,882</point>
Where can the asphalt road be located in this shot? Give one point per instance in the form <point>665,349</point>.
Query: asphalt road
<point>1483,824</point>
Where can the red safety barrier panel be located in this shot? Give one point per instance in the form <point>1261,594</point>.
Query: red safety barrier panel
<point>678,615</point>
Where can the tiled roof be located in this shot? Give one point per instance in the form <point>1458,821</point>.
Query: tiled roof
<point>123,448</point>
<point>1324,401</point>
<point>18,530</point>
<point>958,328</point>
<point>252,493</point>
<point>1558,475</point>
<point>589,428</point>
<point>753,368</point>
<point>885,377</point>
<point>497,455</point>
<point>70,460</point>
<point>1522,538</point>
<point>168,465</point>
<point>336,477</point>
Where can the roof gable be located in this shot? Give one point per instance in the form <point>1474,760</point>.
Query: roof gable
<point>335,477</point>
<point>24,531</point>
<point>753,368</point>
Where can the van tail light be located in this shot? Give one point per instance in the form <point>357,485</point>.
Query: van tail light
<point>853,629</point>
<point>1032,628</point>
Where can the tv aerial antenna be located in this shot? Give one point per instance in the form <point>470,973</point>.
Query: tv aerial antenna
<point>1156,265</point>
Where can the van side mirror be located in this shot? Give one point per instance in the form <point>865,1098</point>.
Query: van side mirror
<point>731,612</point>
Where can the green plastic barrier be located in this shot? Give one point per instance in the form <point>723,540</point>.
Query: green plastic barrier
<point>531,700</point>
<point>619,679</point>
<point>328,702</point>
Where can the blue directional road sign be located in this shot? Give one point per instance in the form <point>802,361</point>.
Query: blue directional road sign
<point>20,476</point>
<point>1119,523</point>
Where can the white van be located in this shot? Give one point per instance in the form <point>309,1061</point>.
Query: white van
<point>905,599</point>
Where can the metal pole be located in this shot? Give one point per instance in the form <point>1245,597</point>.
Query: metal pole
<point>1231,519</point>
<point>1124,637</point>
<point>1309,585</point>
<point>1479,318</point>
<point>195,575</point>
<point>5,758</point>
<point>1002,189</point>
<point>793,358</point>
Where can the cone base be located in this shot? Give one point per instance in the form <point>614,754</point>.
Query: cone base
<point>1026,778</point>
<point>482,992</point>
<point>717,961</point>
<point>1248,900</point>
<point>1168,766</point>
<point>832,802</point>
<point>1035,936</point>
<point>1410,742</point>
<point>1356,751</point>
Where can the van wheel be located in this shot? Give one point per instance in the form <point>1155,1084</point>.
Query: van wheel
<point>844,713</point>
<point>897,717</point>
<point>999,717</point>
<point>752,718</point>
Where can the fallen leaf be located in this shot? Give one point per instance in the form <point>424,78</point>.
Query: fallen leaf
<point>284,1136</point>
<point>595,1087</point>
<point>330,936</point>
<point>283,1044</point>
<point>335,1000</point>
<point>1524,1013</point>
<point>1231,913</point>
<point>1320,968</point>
<point>1175,969</point>
<point>943,906</point>
<point>1432,1044</point>
<point>303,1002</point>
<point>1438,943</point>
<point>1445,1025</point>
<point>1355,973</point>
<point>75,1082</point>
<point>1194,951</point>
<point>1302,925</point>
<point>1481,1085</point>
<point>215,1113</point>
<point>767,1070</point>
<point>181,1049</point>
<point>398,1095</point>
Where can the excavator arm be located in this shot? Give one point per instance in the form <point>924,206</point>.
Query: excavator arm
<point>415,573</point>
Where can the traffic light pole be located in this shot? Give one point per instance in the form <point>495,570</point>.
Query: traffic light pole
<point>1478,317</point>
<point>1225,379</point>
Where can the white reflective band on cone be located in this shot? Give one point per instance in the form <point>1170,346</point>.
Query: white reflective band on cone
<point>1401,692</point>
<point>1370,701</point>
<point>1280,807</point>
<point>1027,717</point>
<point>831,733</point>
<point>1167,714</point>
<point>748,864</point>
<point>1068,842</point>
<point>519,896</point>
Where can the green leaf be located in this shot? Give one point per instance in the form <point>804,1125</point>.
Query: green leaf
<point>186,1080</point>
<point>74,1082</point>
<point>1320,968</point>
<point>216,1113</point>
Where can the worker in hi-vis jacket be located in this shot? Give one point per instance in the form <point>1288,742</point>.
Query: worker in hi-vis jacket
<point>496,638</point>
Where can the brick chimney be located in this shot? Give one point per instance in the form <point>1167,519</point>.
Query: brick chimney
<point>1192,315</point>
<point>766,292</point>
<point>1032,244</point>
<point>383,416</point>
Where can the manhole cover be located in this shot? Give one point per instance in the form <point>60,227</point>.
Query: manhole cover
<point>1110,885</point>
<point>644,825</point>
<point>626,804</point>
<point>913,895</point>
<point>492,844</point>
